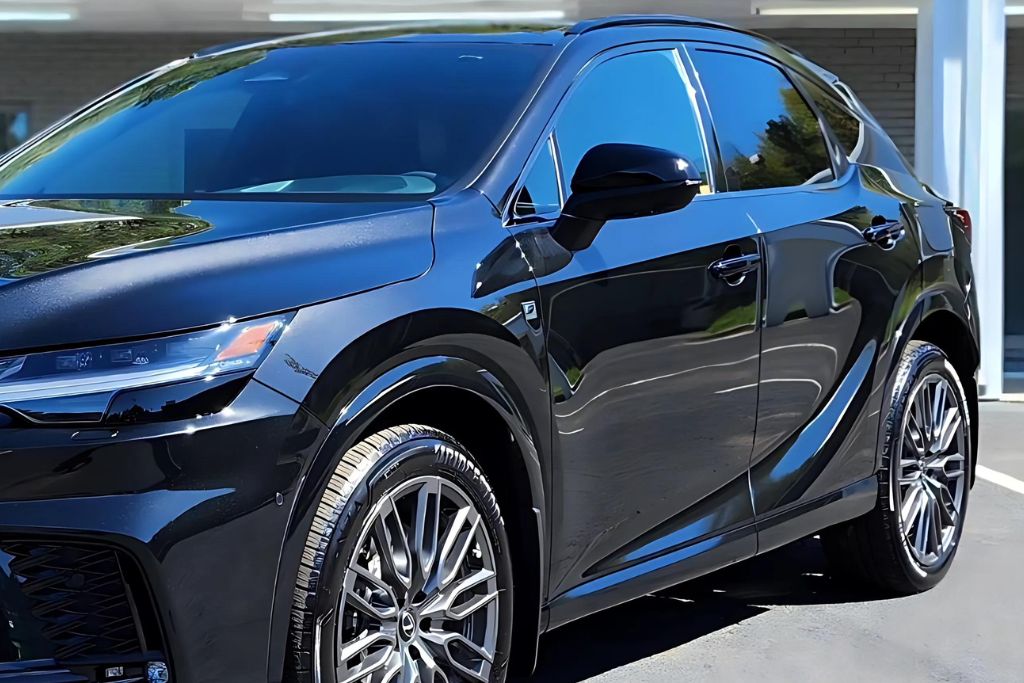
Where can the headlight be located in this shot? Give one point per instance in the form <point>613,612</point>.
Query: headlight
<point>77,385</point>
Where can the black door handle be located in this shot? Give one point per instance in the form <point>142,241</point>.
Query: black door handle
<point>733,268</point>
<point>885,235</point>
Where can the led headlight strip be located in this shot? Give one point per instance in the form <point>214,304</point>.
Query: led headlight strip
<point>77,385</point>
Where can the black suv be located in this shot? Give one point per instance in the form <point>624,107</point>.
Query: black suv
<point>372,356</point>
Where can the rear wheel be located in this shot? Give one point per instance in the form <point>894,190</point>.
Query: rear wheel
<point>907,543</point>
<point>406,576</point>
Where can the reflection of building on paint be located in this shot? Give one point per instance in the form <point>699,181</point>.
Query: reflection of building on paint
<point>890,57</point>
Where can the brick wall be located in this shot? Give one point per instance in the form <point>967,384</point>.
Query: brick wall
<point>57,73</point>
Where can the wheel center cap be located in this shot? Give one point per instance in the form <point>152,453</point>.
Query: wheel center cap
<point>407,625</point>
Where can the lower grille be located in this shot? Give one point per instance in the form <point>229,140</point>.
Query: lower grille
<point>79,596</point>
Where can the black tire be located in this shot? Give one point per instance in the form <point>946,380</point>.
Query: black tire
<point>872,549</point>
<point>380,464</point>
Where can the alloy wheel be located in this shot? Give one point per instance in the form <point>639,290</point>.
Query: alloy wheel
<point>419,603</point>
<point>931,473</point>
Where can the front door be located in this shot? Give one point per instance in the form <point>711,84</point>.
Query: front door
<point>653,352</point>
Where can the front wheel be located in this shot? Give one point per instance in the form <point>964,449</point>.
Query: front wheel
<point>406,576</point>
<point>907,543</point>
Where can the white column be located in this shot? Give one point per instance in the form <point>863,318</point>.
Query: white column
<point>939,83</point>
<point>984,151</point>
<point>959,147</point>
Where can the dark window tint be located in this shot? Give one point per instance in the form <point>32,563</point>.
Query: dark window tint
<point>768,135</point>
<point>350,119</point>
<point>539,193</point>
<point>639,99</point>
<point>844,124</point>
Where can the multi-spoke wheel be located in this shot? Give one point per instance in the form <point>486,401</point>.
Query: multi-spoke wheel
<point>908,542</point>
<point>931,482</point>
<point>420,597</point>
<point>408,579</point>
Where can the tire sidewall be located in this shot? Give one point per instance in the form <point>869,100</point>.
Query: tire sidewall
<point>418,456</point>
<point>923,361</point>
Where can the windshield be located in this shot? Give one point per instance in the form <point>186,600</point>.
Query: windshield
<point>386,119</point>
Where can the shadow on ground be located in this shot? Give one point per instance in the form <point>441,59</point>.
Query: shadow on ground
<point>794,575</point>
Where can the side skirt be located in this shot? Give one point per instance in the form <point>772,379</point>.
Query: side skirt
<point>712,553</point>
<point>657,573</point>
<point>800,521</point>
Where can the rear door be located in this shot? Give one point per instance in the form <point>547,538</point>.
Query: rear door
<point>653,357</point>
<point>839,257</point>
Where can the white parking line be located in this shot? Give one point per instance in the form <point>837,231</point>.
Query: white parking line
<point>1004,480</point>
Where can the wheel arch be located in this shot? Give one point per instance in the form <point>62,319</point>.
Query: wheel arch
<point>943,319</point>
<point>460,391</point>
<point>484,427</point>
<point>951,334</point>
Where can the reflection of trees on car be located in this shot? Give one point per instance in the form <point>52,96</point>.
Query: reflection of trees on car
<point>790,153</point>
<point>191,74</point>
<point>847,128</point>
<point>133,224</point>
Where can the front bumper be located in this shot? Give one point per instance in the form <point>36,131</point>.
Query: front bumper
<point>151,543</point>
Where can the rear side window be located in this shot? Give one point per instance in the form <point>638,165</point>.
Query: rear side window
<point>768,135</point>
<point>641,99</point>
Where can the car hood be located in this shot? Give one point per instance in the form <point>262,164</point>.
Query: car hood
<point>74,272</point>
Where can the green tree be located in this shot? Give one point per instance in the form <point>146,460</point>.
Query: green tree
<point>133,224</point>
<point>791,150</point>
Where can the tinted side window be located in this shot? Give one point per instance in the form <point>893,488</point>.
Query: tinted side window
<point>844,124</point>
<point>768,135</point>
<point>539,194</point>
<point>641,99</point>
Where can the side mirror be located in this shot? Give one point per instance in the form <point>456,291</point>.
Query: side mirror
<point>615,181</point>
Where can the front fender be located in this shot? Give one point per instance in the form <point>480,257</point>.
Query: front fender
<point>401,381</point>
<point>349,360</point>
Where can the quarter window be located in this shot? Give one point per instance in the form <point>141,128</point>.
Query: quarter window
<point>640,98</point>
<point>768,135</point>
<point>539,194</point>
<point>844,124</point>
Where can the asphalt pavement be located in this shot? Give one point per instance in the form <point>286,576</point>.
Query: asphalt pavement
<point>782,617</point>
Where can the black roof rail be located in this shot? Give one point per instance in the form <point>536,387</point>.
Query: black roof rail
<point>588,25</point>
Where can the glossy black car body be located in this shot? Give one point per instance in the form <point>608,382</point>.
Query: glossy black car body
<point>643,419</point>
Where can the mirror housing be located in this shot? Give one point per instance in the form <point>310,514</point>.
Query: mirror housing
<point>616,181</point>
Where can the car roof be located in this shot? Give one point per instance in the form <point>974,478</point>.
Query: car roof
<point>406,33</point>
<point>513,34</point>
